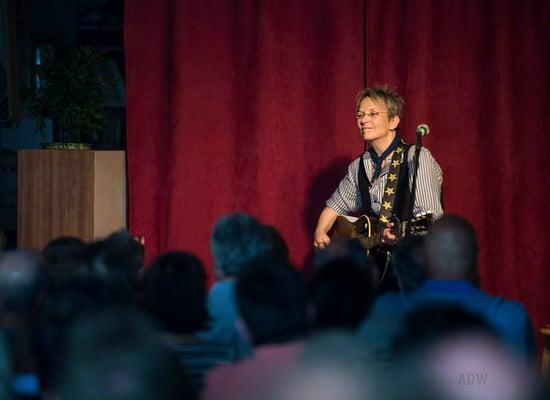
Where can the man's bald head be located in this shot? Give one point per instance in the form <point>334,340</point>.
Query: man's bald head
<point>451,249</point>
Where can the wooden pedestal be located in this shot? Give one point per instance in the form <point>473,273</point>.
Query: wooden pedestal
<point>78,193</point>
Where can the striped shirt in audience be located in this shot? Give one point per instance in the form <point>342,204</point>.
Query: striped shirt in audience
<point>198,357</point>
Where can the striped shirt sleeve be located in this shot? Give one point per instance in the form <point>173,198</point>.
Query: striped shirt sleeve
<point>428,184</point>
<point>346,198</point>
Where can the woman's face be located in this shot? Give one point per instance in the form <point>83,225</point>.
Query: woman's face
<point>374,123</point>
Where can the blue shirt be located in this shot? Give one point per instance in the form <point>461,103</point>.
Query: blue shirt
<point>222,307</point>
<point>508,317</point>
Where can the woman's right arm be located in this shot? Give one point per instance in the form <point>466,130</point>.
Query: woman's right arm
<point>326,220</point>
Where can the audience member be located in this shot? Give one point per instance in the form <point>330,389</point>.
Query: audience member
<point>3,240</point>
<point>340,295</point>
<point>451,271</point>
<point>451,255</point>
<point>448,353</point>
<point>127,245</point>
<point>434,322</point>
<point>118,260</point>
<point>71,332</point>
<point>85,278</point>
<point>333,366</point>
<point>280,249</point>
<point>6,387</point>
<point>118,355</point>
<point>477,367</point>
<point>237,240</point>
<point>23,280</point>
<point>271,297</point>
<point>409,262</point>
<point>62,254</point>
<point>174,293</point>
<point>385,319</point>
<point>341,247</point>
<point>23,284</point>
<point>78,295</point>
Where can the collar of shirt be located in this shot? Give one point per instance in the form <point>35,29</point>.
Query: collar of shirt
<point>370,167</point>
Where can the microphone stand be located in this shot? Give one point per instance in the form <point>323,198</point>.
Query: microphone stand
<point>416,159</point>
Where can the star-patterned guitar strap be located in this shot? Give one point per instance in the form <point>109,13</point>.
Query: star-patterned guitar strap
<point>388,199</point>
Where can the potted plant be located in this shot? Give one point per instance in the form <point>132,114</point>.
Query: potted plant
<point>73,95</point>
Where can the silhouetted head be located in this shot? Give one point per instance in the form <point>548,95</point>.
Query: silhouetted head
<point>236,241</point>
<point>448,353</point>
<point>117,260</point>
<point>117,354</point>
<point>451,249</point>
<point>431,323</point>
<point>62,255</point>
<point>473,365</point>
<point>409,262</point>
<point>58,250</point>
<point>174,292</point>
<point>271,297</point>
<point>341,247</point>
<point>340,294</point>
<point>280,248</point>
<point>333,366</point>
<point>23,280</point>
<point>76,296</point>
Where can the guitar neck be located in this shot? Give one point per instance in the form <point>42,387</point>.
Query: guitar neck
<point>375,239</point>
<point>366,229</point>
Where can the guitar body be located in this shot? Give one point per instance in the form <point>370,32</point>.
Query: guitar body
<point>365,230</point>
<point>363,226</point>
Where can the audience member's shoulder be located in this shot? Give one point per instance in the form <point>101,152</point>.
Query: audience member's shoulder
<point>509,307</point>
<point>225,286</point>
<point>390,302</point>
<point>221,298</point>
<point>385,315</point>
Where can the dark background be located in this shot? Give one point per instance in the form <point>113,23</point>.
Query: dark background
<point>29,29</point>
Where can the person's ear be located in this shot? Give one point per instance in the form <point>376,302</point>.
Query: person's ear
<point>394,122</point>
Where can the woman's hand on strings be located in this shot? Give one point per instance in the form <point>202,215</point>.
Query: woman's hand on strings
<point>388,237</point>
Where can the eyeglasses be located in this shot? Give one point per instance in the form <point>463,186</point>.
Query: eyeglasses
<point>371,115</point>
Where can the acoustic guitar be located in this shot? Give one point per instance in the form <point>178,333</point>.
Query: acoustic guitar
<point>366,231</point>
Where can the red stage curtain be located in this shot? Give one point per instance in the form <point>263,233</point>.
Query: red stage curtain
<point>478,73</point>
<point>248,105</point>
<point>239,106</point>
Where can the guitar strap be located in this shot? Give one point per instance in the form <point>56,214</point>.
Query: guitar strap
<point>388,206</point>
<point>395,200</point>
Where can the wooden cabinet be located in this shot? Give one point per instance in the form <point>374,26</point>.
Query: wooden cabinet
<point>78,193</point>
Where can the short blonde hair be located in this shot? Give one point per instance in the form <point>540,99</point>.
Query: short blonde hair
<point>386,94</point>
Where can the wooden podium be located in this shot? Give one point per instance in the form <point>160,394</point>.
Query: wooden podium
<point>78,193</point>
